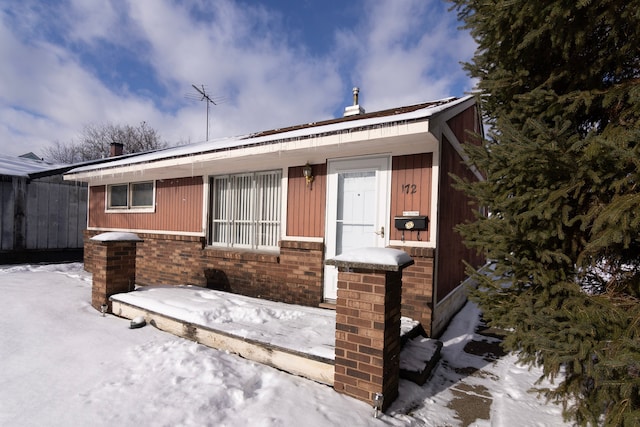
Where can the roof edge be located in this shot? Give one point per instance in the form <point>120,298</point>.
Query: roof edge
<point>414,112</point>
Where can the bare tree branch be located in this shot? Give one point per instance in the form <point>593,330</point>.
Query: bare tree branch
<point>95,140</point>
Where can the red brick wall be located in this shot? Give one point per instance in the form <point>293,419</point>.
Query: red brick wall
<point>169,260</point>
<point>114,270</point>
<point>301,266</point>
<point>417,286</point>
<point>368,334</point>
<point>293,276</point>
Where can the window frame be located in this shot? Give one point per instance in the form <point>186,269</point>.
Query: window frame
<point>130,190</point>
<point>246,218</point>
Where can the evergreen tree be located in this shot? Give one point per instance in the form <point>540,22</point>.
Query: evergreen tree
<point>559,83</point>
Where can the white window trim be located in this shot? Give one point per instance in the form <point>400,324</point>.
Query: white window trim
<point>130,209</point>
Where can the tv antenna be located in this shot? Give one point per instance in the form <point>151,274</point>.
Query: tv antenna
<point>204,96</point>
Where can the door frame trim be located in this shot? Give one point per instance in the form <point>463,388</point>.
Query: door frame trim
<point>378,162</point>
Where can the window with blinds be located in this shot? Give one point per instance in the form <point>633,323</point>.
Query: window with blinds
<point>245,210</point>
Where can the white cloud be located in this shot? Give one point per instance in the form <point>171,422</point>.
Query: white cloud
<point>408,52</point>
<point>89,21</point>
<point>243,56</point>
<point>65,70</point>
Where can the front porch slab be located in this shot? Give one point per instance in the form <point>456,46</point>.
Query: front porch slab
<point>204,316</point>
<point>295,339</point>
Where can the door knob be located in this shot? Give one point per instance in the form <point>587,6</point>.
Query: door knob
<point>381,232</point>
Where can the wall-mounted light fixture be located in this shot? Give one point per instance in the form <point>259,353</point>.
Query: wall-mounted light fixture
<point>307,171</point>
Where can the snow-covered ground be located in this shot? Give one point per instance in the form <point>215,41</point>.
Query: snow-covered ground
<point>64,364</point>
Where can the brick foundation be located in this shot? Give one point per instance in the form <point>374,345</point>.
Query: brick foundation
<point>292,276</point>
<point>295,275</point>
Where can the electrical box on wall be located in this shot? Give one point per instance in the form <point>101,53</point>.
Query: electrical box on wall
<point>411,223</point>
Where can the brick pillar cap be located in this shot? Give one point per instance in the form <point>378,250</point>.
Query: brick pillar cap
<point>117,236</point>
<point>387,259</point>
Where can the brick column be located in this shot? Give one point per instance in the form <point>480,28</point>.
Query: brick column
<point>367,359</point>
<point>114,266</point>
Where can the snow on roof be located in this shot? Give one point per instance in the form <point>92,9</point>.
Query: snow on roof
<point>394,115</point>
<point>24,166</point>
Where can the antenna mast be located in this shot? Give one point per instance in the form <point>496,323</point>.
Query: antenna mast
<point>207,98</point>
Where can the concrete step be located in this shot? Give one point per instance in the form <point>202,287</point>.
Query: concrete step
<point>419,355</point>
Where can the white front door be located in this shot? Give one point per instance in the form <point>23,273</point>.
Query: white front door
<point>357,211</point>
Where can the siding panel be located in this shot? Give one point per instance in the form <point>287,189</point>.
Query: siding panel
<point>178,208</point>
<point>41,215</point>
<point>306,204</point>
<point>7,212</point>
<point>411,191</point>
<point>40,219</point>
<point>463,123</point>
<point>454,209</point>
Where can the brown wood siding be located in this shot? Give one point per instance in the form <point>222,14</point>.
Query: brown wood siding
<point>178,208</point>
<point>466,126</point>
<point>454,209</point>
<point>411,191</point>
<point>306,204</point>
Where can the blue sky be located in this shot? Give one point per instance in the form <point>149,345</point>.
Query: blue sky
<point>70,63</point>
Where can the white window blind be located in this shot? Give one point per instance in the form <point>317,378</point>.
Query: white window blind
<point>246,210</point>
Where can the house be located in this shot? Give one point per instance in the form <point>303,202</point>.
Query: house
<point>42,217</point>
<point>260,214</point>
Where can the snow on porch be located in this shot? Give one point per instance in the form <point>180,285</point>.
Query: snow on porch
<point>296,339</point>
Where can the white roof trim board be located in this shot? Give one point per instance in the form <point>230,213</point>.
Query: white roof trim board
<point>246,141</point>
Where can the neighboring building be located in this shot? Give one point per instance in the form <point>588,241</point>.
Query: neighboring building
<point>258,215</point>
<point>42,217</point>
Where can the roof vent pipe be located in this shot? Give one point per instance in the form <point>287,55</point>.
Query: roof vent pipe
<point>354,109</point>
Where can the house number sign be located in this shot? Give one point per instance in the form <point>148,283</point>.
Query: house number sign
<point>409,188</point>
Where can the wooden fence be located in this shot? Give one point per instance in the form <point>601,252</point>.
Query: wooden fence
<point>44,214</point>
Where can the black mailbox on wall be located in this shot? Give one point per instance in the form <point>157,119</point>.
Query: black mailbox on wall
<point>411,223</point>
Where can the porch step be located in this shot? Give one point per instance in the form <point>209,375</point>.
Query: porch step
<point>419,355</point>
<point>328,305</point>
